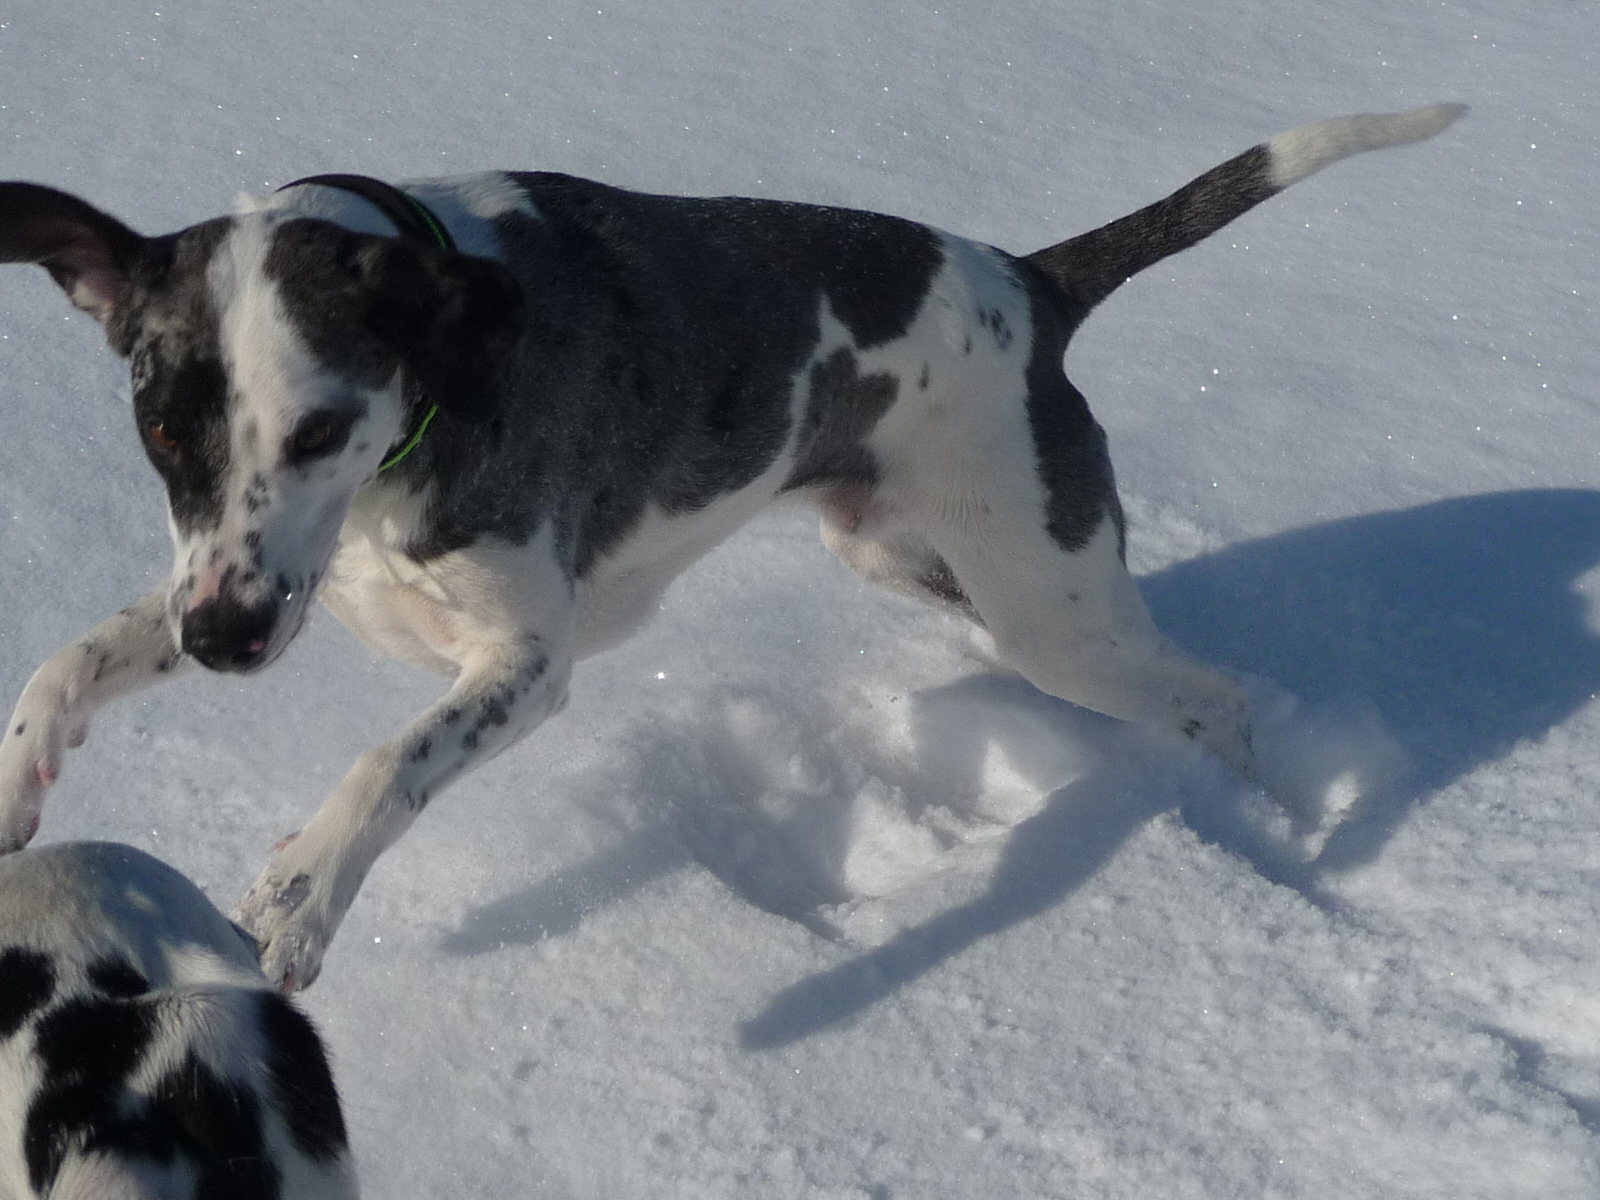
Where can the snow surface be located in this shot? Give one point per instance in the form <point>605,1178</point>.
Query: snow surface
<point>801,897</point>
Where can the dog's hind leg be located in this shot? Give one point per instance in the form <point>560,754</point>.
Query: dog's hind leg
<point>1075,625</point>
<point>129,651</point>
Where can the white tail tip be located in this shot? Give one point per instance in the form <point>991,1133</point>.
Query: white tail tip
<point>1300,152</point>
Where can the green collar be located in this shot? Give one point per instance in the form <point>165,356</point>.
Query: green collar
<point>411,442</point>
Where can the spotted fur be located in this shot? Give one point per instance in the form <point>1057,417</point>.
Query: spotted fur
<point>621,381</point>
<point>143,1055</point>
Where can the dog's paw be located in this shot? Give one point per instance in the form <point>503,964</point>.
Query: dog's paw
<point>287,913</point>
<point>1324,764</point>
<point>32,747</point>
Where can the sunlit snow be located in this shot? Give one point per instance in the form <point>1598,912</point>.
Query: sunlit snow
<point>802,897</point>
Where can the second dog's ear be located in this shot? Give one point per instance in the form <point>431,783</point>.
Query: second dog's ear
<point>453,318</point>
<point>87,252</point>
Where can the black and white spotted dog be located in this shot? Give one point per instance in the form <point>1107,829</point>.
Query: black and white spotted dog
<point>143,1055</point>
<point>489,418</point>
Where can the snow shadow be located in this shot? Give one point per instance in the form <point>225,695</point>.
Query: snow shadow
<point>799,803</point>
<point>1460,627</point>
<point>1047,857</point>
<point>1460,622</point>
<point>557,905</point>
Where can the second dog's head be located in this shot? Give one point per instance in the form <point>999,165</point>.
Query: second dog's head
<point>275,361</point>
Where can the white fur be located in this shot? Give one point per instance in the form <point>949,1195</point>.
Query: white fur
<point>1299,152</point>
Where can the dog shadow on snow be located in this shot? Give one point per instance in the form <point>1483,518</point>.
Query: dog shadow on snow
<point>1460,622</point>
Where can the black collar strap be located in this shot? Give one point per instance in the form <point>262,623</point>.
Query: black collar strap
<point>413,220</point>
<point>408,214</point>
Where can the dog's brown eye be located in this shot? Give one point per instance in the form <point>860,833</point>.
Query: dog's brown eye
<point>312,436</point>
<point>160,439</point>
<point>317,435</point>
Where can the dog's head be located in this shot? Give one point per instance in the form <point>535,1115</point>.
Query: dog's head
<point>269,356</point>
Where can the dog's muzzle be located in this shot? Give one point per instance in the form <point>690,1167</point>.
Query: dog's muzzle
<point>225,635</point>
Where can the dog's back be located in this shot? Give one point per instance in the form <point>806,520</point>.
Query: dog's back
<point>142,1053</point>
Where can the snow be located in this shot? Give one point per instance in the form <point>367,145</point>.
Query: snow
<point>802,897</point>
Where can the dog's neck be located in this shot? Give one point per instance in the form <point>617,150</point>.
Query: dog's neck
<point>334,205</point>
<point>466,205</point>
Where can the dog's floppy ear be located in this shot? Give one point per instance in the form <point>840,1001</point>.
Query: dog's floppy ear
<point>87,252</point>
<point>453,318</point>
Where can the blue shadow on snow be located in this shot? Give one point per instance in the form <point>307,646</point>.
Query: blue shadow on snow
<point>1458,620</point>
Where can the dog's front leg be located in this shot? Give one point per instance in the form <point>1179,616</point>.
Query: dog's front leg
<point>129,651</point>
<point>297,903</point>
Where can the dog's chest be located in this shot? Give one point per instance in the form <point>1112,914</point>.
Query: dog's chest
<point>434,614</point>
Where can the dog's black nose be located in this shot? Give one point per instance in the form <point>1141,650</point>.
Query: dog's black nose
<point>224,635</point>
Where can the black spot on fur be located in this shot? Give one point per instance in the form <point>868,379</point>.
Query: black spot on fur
<point>88,1048</point>
<point>115,976</point>
<point>999,328</point>
<point>422,750</point>
<point>27,981</point>
<point>22,727</point>
<point>941,582</point>
<point>469,740</point>
<point>166,324</point>
<point>1069,446</point>
<point>302,1085</point>
<point>189,401</point>
<point>496,710</point>
<point>1192,728</point>
<point>93,1038</point>
<point>366,304</point>
<point>318,269</point>
<point>213,1124</point>
<point>842,409</point>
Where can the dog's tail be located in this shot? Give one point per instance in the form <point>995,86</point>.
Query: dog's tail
<point>1091,266</point>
